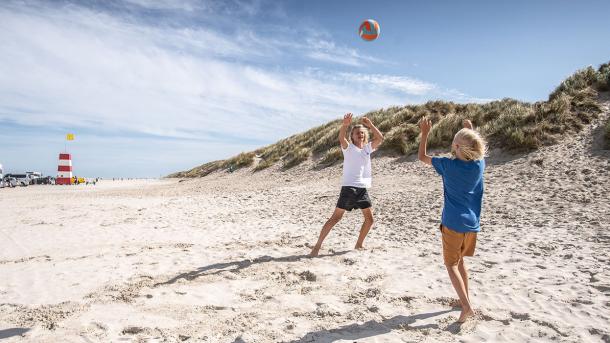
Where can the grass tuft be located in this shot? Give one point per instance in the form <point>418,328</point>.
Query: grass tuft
<point>333,155</point>
<point>296,156</point>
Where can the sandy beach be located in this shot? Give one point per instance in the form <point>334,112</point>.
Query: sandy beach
<point>224,258</point>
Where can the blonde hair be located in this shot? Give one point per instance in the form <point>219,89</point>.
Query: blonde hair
<point>470,144</point>
<point>359,126</point>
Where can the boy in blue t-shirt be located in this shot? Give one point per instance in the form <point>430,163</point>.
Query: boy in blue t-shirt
<point>463,193</point>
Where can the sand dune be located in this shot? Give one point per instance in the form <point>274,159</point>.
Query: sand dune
<point>223,258</point>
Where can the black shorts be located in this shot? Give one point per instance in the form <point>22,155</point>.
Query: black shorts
<point>353,197</point>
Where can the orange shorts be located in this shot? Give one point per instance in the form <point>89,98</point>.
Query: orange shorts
<point>457,245</point>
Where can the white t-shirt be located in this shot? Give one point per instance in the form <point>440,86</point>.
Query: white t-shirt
<point>357,166</point>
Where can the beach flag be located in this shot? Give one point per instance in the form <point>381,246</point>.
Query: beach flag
<point>64,170</point>
<point>70,137</point>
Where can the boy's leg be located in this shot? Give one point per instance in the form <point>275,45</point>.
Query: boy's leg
<point>464,275</point>
<point>334,219</point>
<point>453,252</point>
<point>366,226</point>
<point>458,284</point>
<point>468,247</point>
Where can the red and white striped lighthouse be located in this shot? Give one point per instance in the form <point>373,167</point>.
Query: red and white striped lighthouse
<point>64,170</point>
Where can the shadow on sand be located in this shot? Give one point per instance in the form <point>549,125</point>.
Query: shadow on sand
<point>236,266</point>
<point>7,333</point>
<point>371,328</point>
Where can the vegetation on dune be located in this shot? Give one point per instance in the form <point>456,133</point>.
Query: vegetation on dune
<point>506,123</point>
<point>296,156</point>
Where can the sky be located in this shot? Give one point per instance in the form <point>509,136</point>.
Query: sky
<point>151,87</point>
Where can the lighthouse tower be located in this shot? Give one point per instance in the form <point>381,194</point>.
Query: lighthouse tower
<point>64,170</point>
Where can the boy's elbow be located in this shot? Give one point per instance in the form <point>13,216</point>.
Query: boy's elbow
<point>427,160</point>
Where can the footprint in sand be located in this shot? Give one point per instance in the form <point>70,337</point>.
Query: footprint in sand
<point>348,261</point>
<point>308,276</point>
<point>373,277</point>
<point>132,330</point>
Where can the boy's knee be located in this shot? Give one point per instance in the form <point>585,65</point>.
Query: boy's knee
<point>451,260</point>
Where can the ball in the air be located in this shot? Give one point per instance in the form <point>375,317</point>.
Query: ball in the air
<point>369,30</point>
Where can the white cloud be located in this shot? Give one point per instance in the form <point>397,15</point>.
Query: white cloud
<point>326,50</point>
<point>224,7</point>
<point>458,96</point>
<point>399,83</point>
<point>185,5</point>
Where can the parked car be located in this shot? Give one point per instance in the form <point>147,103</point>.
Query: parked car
<point>45,180</point>
<point>22,179</point>
<point>10,182</point>
<point>33,176</point>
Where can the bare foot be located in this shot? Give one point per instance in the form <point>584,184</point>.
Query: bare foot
<point>466,313</point>
<point>359,247</point>
<point>314,252</point>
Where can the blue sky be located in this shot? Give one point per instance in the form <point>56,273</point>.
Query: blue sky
<point>151,87</point>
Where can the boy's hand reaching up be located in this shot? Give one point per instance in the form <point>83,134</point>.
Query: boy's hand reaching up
<point>467,124</point>
<point>425,125</point>
<point>366,122</point>
<point>347,119</point>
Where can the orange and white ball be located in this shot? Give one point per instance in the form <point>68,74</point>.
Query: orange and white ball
<point>369,30</point>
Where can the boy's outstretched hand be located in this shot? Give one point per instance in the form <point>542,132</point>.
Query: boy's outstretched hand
<point>347,119</point>
<point>366,122</point>
<point>425,125</point>
<point>467,124</point>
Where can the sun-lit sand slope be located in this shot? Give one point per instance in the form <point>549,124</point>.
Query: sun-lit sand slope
<point>222,259</point>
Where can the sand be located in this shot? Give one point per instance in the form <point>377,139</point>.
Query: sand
<point>224,258</point>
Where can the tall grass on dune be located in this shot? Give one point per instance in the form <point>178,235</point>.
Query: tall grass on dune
<point>296,156</point>
<point>508,124</point>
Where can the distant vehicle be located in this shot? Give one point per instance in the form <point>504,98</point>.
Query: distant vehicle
<point>9,182</point>
<point>78,180</point>
<point>33,176</point>
<point>2,185</point>
<point>22,179</point>
<point>45,180</point>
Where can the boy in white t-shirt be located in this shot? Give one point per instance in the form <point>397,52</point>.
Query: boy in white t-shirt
<point>356,177</point>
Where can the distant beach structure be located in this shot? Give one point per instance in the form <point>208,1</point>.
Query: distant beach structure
<point>64,170</point>
<point>369,30</point>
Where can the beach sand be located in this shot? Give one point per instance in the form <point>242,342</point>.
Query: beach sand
<point>224,258</point>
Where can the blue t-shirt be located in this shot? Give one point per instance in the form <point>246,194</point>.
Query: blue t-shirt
<point>463,191</point>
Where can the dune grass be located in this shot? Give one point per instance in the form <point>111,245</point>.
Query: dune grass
<point>509,124</point>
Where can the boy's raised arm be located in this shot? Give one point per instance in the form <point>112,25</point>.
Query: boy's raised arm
<point>347,120</point>
<point>424,125</point>
<point>377,136</point>
<point>467,124</point>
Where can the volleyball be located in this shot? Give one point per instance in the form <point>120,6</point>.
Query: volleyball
<point>369,30</point>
